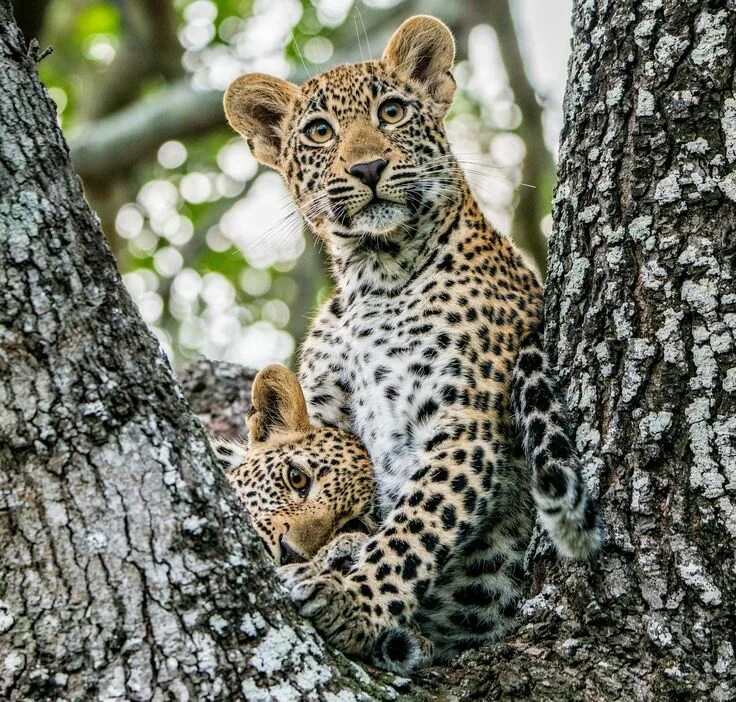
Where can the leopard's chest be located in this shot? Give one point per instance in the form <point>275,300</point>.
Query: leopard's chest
<point>398,363</point>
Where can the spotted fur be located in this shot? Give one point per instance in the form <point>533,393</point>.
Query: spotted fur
<point>326,523</point>
<point>565,508</point>
<point>428,335</point>
<point>338,493</point>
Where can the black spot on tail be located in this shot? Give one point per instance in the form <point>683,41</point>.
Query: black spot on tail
<point>538,397</point>
<point>559,446</point>
<point>552,482</point>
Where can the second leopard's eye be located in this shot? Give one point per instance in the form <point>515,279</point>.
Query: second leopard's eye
<point>319,131</point>
<point>391,111</point>
<point>298,480</point>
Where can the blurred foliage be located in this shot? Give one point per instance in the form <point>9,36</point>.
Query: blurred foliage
<point>206,240</point>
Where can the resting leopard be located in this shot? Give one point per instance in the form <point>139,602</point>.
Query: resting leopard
<point>303,486</point>
<point>310,491</point>
<point>428,351</point>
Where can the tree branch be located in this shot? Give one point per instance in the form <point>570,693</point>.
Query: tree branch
<point>112,145</point>
<point>538,167</point>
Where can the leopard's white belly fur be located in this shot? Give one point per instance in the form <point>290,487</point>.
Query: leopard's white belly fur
<point>392,381</point>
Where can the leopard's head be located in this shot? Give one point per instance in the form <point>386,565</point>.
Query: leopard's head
<point>300,484</point>
<point>362,147</point>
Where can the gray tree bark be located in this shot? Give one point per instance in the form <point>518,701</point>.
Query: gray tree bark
<point>640,309</point>
<point>126,570</point>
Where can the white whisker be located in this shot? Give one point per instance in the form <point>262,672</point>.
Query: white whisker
<point>299,53</point>
<point>365,31</point>
<point>357,36</point>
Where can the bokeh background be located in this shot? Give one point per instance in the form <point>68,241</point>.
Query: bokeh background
<point>207,241</point>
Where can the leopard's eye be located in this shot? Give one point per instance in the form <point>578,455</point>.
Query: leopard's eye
<point>391,111</point>
<point>319,131</point>
<point>298,480</point>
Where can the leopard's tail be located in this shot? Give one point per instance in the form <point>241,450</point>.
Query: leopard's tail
<point>565,507</point>
<point>401,649</point>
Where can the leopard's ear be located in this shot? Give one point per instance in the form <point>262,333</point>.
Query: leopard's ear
<point>256,106</point>
<point>278,405</point>
<point>423,49</point>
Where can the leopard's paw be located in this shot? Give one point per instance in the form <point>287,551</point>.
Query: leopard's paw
<point>340,609</point>
<point>294,574</point>
<point>311,587</point>
<point>341,554</point>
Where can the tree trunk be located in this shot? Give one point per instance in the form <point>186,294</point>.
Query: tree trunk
<point>126,571</point>
<point>640,313</point>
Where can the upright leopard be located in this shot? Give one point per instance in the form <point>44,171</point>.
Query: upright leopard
<point>428,351</point>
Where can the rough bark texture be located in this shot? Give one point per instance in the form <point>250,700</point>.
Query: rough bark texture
<point>640,308</point>
<point>127,571</point>
<point>219,394</point>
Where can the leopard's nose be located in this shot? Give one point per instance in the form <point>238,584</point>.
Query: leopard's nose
<point>288,554</point>
<point>369,172</point>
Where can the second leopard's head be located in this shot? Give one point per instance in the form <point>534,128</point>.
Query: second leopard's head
<point>301,484</point>
<point>362,147</point>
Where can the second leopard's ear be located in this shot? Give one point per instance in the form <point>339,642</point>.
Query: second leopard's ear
<point>278,407</point>
<point>256,105</point>
<point>423,49</point>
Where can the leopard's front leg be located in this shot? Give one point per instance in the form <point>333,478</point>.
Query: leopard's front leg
<point>399,567</point>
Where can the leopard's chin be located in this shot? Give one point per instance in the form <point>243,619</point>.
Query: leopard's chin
<point>380,218</point>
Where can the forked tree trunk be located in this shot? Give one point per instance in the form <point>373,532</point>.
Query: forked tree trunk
<point>125,570</point>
